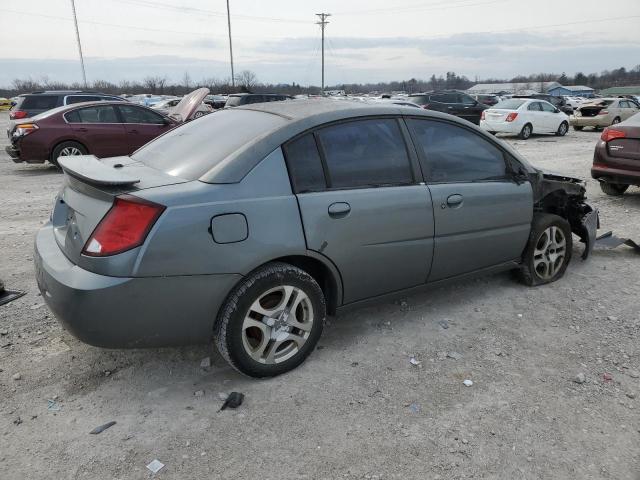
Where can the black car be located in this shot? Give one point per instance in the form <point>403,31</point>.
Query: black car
<point>238,99</point>
<point>557,102</point>
<point>453,102</point>
<point>31,104</point>
<point>490,100</point>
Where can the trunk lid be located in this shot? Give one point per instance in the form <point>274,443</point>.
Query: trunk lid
<point>593,109</point>
<point>89,188</point>
<point>625,152</point>
<point>497,115</point>
<point>185,110</point>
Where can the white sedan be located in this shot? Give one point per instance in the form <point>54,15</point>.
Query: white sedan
<point>523,116</point>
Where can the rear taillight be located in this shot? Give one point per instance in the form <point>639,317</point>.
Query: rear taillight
<point>125,226</point>
<point>23,129</point>
<point>17,114</point>
<point>482,115</point>
<point>603,112</point>
<point>511,117</point>
<point>609,134</point>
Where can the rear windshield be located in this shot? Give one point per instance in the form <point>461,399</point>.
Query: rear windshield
<point>194,148</point>
<point>509,104</point>
<point>233,101</point>
<point>39,102</point>
<point>419,99</point>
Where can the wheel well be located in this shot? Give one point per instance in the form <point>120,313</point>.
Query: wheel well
<point>321,274</point>
<point>53,149</point>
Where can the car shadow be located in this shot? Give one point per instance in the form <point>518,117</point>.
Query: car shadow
<point>37,170</point>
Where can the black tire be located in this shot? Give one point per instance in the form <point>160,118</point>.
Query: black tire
<point>532,272</point>
<point>57,151</point>
<point>613,189</point>
<point>526,131</point>
<point>228,330</point>
<point>616,120</point>
<point>562,129</point>
<point>578,128</point>
<point>198,115</point>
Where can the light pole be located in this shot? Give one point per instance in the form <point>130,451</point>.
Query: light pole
<point>233,79</point>
<point>75,21</point>
<point>323,23</point>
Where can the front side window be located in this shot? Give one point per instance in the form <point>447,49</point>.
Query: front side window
<point>305,165</point>
<point>131,114</point>
<point>365,153</point>
<point>467,100</point>
<point>97,114</point>
<point>534,107</point>
<point>455,154</point>
<point>547,107</point>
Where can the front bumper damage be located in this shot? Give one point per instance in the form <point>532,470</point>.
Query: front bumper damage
<point>587,228</point>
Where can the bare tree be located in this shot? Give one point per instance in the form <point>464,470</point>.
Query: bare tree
<point>247,79</point>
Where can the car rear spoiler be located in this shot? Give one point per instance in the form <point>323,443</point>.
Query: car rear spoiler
<point>90,169</point>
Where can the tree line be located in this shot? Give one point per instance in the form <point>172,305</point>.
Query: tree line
<point>247,81</point>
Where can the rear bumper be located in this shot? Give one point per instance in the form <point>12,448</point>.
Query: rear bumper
<point>615,175</point>
<point>501,127</point>
<point>117,312</point>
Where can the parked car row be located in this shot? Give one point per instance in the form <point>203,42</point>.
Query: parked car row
<point>31,104</point>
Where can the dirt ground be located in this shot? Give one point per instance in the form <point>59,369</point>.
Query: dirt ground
<point>357,408</point>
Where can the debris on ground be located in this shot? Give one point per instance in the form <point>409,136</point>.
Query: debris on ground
<point>102,428</point>
<point>234,400</point>
<point>17,421</point>
<point>444,324</point>
<point>607,377</point>
<point>52,405</point>
<point>205,362</point>
<point>155,466</point>
<point>414,362</point>
<point>580,378</point>
<point>17,376</point>
<point>467,383</point>
<point>414,407</point>
<point>199,393</point>
<point>7,296</point>
<point>454,355</point>
<point>609,240</point>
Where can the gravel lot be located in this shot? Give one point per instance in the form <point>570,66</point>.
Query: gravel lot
<point>357,408</point>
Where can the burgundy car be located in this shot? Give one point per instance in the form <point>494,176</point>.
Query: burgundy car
<point>103,129</point>
<point>616,160</point>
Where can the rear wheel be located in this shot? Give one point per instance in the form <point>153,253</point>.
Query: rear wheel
<point>616,120</point>
<point>613,189</point>
<point>578,128</point>
<point>198,114</point>
<point>66,149</point>
<point>562,129</point>
<point>548,250</point>
<point>526,131</point>
<point>271,321</point>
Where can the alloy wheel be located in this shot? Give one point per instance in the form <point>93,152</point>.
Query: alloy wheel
<point>550,252</point>
<point>68,151</point>
<point>277,324</point>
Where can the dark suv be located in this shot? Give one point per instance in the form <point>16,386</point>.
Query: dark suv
<point>558,102</point>
<point>453,102</point>
<point>238,99</point>
<point>31,104</point>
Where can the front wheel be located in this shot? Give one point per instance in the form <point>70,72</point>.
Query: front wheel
<point>526,131</point>
<point>613,189</point>
<point>271,321</point>
<point>562,129</point>
<point>198,114</point>
<point>548,250</point>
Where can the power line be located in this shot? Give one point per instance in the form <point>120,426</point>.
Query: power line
<point>446,5</point>
<point>323,23</point>
<point>75,22</point>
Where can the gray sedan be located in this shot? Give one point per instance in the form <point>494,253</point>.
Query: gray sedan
<point>250,225</point>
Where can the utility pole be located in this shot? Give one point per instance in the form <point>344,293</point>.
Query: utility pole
<point>323,23</point>
<point>75,21</point>
<point>233,79</point>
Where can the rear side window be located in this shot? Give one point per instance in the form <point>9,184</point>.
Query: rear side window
<point>39,102</point>
<point>455,154</point>
<point>535,106</point>
<point>98,114</point>
<point>365,153</point>
<point>132,114</point>
<point>81,98</point>
<point>466,99</point>
<point>305,165</point>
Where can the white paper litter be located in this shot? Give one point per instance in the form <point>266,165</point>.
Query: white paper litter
<point>155,466</point>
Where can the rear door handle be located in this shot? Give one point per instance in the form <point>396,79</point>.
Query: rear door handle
<point>82,129</point>
<point>133,131</point>
<point>339,209</point>
<point>454,200</point>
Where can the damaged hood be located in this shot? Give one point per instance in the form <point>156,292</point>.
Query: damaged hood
<point>188,105</point>
<point>559,177</point>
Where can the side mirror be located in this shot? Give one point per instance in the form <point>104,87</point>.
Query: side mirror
<point>556,111</point>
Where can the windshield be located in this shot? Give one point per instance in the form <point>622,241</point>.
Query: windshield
<point>510,104</point>
<point>194,148</point>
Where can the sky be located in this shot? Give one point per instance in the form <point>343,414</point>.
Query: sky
<point>366,41</point>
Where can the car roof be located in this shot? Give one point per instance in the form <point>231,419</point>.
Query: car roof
<point>66,108</point>
<point>300,116</point>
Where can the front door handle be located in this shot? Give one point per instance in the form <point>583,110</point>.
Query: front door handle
<point>339,209</point>
<point>454,200</point>
<point>133,131</point>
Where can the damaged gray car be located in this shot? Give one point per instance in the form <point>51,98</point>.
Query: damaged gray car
<point>250,225</point>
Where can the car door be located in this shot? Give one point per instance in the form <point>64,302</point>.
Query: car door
<point>469,108</point>
<point>552,117</point>
<point>141,125</point>
<point>99,129</point>
<point>627,109</point>
<point>482,215</point>
<point>535,116</point>
<point>363,205</point>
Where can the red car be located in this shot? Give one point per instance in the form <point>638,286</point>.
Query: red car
<point>103,129</point>
<point>616,160</point>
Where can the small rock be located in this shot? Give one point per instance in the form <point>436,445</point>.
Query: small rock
<point>199,393</point>
<point>414,362</point>
<point>468,383</point>
<point>631,394</point>
<point>634,374</point>
<point>444,324</point>
<point>107,373</point>
<point>17,376</point>
<point>454,355</point>
<point>465,441</point>
<point>580,378</point>
<point>519,315</point>
<point>17,421</point>
<point>607,377</point>
<point>205,362</point>
<point>4,332</point>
